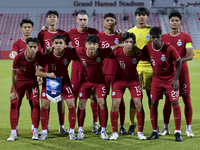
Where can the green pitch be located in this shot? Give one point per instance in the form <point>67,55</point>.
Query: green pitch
<point>92,141</point>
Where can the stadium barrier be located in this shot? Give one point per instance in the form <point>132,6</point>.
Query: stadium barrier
<point>7,54</point>
<point>196,53</point>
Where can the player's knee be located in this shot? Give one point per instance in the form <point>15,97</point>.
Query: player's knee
<point>81,104</point>
<point>14,104</point>
<point>174,103</point>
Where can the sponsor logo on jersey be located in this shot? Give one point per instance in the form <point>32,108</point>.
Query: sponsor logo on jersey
<point>65,62</point>
<point>21,49</point>
<point>23,68</point>
<point>148,36</point>
<point>98,59</point>
<point>116,41</point>
<point>104,42</point>
<point>134,61</point>
<point>80,94</point>
<point>163,58</point>
<point>179,43</point>
<point>53,84</point>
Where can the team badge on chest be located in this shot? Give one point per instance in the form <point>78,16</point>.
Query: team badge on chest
<point>65,62</point>
<point>36,64</point>
<point>179,43</point>
<point>147,36</point>
<point>116,41</point>
<point>134,61</point>
<point>163,58</point>
<point>98,59</point>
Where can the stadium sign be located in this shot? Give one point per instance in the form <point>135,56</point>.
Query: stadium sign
<point>105,4</point>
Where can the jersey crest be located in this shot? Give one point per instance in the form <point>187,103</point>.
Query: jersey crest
<point>116,41</point>
<point>163,58</point>
<point>179,43</point>
<point>65,62</point>
<point>147,36</point>
<point>134,61</point>
<point>98,59</point>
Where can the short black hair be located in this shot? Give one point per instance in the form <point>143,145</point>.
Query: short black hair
<point>142,11</point>
<point>175,14</point>
<point>92,38</point>
<point>155,31</point>
<point>109,15</point>
<point>26,21</point>
<point>30,39</point>
<point>50,12</point>
<point>83,12</point>
<point>58,36</point>
<point>127,35</point>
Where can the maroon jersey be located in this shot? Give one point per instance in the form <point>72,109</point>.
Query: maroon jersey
<point>178,41</point>
<point>58,64</point>
<point>126,64</point>
<point>92,65</point>
<point>26,67</point>
<point>78,40</point>
<point>107,40</point>
<point>19,46</point>
<point>162,61</point>
<point>45,38</point>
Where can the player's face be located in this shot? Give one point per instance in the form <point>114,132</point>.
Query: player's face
<point>58,44</point>
<point>109,23</point>
<point>82,21</point>
<point>141,18</point>
<point>52,19</point>
<point>156,39</point>
<point>174,22</point>
<point>128,44</point>
<point>91,47</point>
<point>26,29</point>
<point>32,48</point>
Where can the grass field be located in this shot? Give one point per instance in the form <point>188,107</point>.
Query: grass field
<point>92,141</point>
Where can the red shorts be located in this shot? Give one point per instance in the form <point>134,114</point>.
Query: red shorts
<point>120,86</point>
<point>184,83</point>
<point>66,89</point>
<point>87,86</point>
<point>109,80</point>
<point>32,91</point>
<point>76,80</point>
<point>27,93</point>
<point>158,88</point>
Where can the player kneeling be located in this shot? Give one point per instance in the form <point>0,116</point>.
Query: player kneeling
<point>127,58</point>
<point>58,62</point>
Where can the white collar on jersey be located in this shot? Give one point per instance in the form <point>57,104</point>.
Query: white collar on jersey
<point>176,34</point>
<point>157,49</point>
<point>109,34</point>
<point>127,54</point>
<point>52,32</point>
<point>27,58</point>
<point>89,55</point>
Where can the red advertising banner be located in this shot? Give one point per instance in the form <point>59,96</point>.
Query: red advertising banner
<point>5,54</point>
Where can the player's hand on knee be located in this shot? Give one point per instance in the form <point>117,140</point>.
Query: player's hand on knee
<point>51,75</point>
<point>44,28</point>
<point>13,96</point>
<point>175,84</point>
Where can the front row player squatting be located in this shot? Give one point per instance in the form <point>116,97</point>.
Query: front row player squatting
<point>58,62</point>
